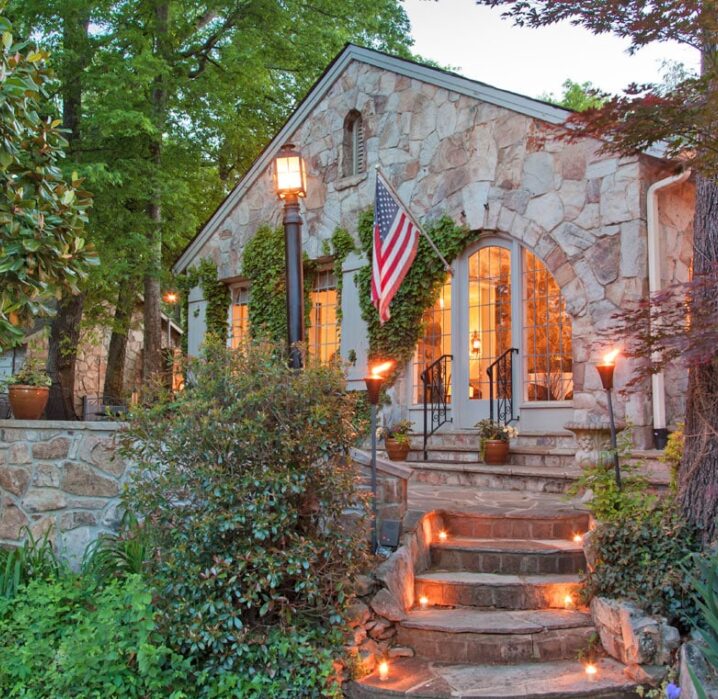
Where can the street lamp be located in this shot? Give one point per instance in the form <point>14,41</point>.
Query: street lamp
<point>373,388</point>
<point>170,298</point>
<point>290,184</point>
<point>605,371</point>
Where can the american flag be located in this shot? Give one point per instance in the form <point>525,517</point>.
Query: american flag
<point>396,239</point>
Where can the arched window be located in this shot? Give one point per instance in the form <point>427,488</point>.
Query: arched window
<point>354,154</point>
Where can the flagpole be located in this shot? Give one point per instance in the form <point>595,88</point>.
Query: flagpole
<point>447,266</point>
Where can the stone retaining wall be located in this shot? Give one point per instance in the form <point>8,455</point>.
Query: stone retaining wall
<point>61,475</point>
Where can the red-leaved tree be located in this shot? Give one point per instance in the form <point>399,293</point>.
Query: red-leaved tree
<point>684,119</point>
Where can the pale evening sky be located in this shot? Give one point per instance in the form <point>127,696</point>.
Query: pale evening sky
<point>477,43</point>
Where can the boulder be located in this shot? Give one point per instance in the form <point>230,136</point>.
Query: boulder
<point>386,605</point>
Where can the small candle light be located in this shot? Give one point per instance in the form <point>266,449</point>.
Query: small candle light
<point>568,601</point>
<point>591,672</point>
<point>578,538</point>
<point>424,602</point>
<point>383,670</point>
<point>443,535</point>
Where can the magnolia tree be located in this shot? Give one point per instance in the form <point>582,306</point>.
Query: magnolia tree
<point>683,322</point>
<point>42,214</point>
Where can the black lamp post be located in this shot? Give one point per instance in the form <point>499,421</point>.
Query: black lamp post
<point>373,388</point>
<point>605,371</point>
<point>290,184</point>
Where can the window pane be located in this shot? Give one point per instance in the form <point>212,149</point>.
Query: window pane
<point>547,333</point>
<point>323,335</point>
<point>436,340</point>
<point>239,330</point>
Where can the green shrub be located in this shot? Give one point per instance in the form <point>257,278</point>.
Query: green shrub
<point>645,558</point>
<point>60,638</point>
<point>245,481</point>
<point>34,559</point>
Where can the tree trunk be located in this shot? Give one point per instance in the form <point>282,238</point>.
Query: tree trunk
<point>698,478</point>
<point>117,352</point>
<point>152,365</point>
<point>65,327</point>
<point>62,356</point>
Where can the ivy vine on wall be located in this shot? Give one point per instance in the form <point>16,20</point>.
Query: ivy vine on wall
<point>398,337</point>
<point>263,265</point>
<point>215,293</point>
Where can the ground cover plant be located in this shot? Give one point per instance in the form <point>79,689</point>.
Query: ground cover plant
<point>245,482</point>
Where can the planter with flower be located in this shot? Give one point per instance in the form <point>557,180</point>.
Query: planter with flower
<point>494,441</point>
<point>396,439</point>
<point>28,391</point>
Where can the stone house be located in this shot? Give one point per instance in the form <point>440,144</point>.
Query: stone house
<point>565,236</point>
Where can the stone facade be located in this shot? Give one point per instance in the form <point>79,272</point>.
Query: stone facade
<point>66,476</point>
<point>501,172</point>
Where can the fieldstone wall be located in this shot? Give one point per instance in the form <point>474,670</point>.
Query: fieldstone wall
<point>61,475</point>
<point>500,172</point>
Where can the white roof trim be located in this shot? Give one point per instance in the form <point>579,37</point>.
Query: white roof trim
<point>450,81</point>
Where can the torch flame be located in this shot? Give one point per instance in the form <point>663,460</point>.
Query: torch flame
<point>380,369</point>
<point>610,357</point>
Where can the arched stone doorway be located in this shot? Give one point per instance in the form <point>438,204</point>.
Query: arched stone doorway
<point>502,300</point>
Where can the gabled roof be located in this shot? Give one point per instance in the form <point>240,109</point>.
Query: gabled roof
<point>401,66</point>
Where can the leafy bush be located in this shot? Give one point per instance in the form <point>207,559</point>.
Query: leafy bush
<point>245,481</point>
<point>61,638</point>
<point>34,559</point>
<point>705,584</point>
<point>645,558</point>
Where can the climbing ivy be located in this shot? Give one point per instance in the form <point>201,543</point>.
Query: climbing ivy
<point>264,266</point>
<point>398,337</point>
<point>215,293</point>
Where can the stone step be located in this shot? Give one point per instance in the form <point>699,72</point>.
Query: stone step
<point>561,439</point>
<point>451,438</point>
<point>560,679</point>
<point>507,477</point>
<point>533,524</point>
<point>516,556</point>
<point>472,636</point>
<point>491,591</point>
<point>551,457</point>
<point>470,438</point>
<point>448,454</point>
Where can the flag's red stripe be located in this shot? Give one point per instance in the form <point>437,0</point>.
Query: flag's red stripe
<point>389,295</point>
<point>399,258</point>
<point>390,241</point>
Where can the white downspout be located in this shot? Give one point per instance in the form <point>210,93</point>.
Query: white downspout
<point>658,385</point>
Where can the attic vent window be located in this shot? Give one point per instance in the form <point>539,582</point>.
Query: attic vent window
<point>354,155</point>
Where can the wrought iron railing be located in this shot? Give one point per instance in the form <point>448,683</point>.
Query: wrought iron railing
<point>436,380</point>
<point>501,388</point>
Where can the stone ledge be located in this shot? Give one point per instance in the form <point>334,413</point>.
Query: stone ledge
<point>98,426</point>
<point>393,468</point>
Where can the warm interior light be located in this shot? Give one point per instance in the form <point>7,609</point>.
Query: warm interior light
<point>578,538</point>
<point>424,602</point>
<point>378,370</point>
<point>568,601</point>
<point>443,535</point>
<point>289,175</point>
<point>591,671</point>
<point>383,670</point>
<point>475,343</point>
<point>610,357</point>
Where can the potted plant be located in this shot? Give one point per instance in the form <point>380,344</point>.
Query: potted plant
<point>28,391</point>
<point>494,441</point>
<point>396,440</point>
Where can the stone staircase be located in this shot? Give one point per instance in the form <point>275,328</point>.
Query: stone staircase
<point>538,462</point>
<point>500,616</point>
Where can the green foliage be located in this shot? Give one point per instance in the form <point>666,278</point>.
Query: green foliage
<point>398,431</point>
<point>397,338</point>
<point>34,559</point>
<point>264,266</point>
<point>577,96</point>
<point>32,373</point>
<point>118,555</point>
<point>644,557</point>
<point>342,244</point>
<point>42,212</point>
<point>62,638</point>
<point>246,479</point>
<point>673,454</point>
<point>705,586</point>
<point>215,293</point>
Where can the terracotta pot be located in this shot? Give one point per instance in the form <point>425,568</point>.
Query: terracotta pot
<point>496,451</point>
<point>396,451</point>
<point>28,402</point>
